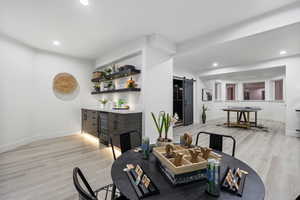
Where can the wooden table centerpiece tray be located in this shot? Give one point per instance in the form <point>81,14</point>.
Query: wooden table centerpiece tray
<point>190,169</point>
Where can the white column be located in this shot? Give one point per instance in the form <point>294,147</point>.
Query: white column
<point>157,83</point>
<point>240,91</point>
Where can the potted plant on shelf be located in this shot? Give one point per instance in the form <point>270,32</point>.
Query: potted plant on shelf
<point>97,87</point>
<point>109,85</point>
<point>108,71</point>
<point>204,109</point>
<point>163,122</point>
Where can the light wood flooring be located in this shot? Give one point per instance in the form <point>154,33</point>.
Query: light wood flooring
<point>274,156</point>
<point>43,169</point>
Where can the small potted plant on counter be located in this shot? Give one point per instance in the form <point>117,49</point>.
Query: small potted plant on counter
<point>163,122</point>
<point>103,102</point>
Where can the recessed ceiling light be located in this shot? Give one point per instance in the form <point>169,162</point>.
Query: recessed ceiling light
<point>56,43</point>
<point>215,64</point>
<point>283,52</point>
<point>84,2</point>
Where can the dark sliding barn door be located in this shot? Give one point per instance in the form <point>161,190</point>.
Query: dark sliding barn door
<point>188,110</point>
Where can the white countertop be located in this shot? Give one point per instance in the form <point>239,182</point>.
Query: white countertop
<point>98,108</point>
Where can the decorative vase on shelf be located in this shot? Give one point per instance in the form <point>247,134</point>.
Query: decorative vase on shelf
<point>131,83</point>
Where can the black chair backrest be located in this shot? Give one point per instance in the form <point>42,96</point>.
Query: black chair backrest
<point>83,195</point>
<point>216,141</point>
<point>125,142</point>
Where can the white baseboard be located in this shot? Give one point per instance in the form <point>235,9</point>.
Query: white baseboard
<point>57,134</point>
<point>36,137</point>
<point>293,133</point>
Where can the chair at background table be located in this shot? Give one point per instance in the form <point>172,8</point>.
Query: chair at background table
<point>125,144</point>
<point>216,141</point>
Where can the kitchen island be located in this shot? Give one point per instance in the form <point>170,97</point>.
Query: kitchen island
<point>106,123</point>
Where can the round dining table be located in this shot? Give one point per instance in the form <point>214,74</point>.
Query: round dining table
<point>254,188</point>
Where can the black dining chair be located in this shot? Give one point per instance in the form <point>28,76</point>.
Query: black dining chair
<point>125,145</point>
<point>216,141</point>
<point>125,142</point>
<point>87,194</point>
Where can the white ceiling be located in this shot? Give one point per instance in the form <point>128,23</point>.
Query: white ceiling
<point>248,50</point>
<point>89,31</point>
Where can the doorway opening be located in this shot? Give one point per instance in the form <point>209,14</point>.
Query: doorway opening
<point>183,100</point>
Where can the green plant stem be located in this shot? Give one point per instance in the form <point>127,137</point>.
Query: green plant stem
<point>158,124</point>
<point>167,123</point>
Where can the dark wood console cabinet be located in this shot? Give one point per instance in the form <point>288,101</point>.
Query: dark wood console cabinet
<point>90,122</point>
<point>108,124</point>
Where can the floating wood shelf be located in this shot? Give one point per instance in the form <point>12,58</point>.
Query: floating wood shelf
<point>119,90</point>
<point>116,75</point>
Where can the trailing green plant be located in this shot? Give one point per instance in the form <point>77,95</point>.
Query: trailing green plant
<point>108,70</point>
<point>159,122</point>
<point>109,84</point>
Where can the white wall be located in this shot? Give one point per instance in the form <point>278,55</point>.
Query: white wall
<point>292,95</point>
<point>29,108</point>
<point>53,116</point>
<point>16,85</point>
<point>272,109</point>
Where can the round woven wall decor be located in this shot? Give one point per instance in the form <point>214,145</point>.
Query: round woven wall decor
<point>64,83</point>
